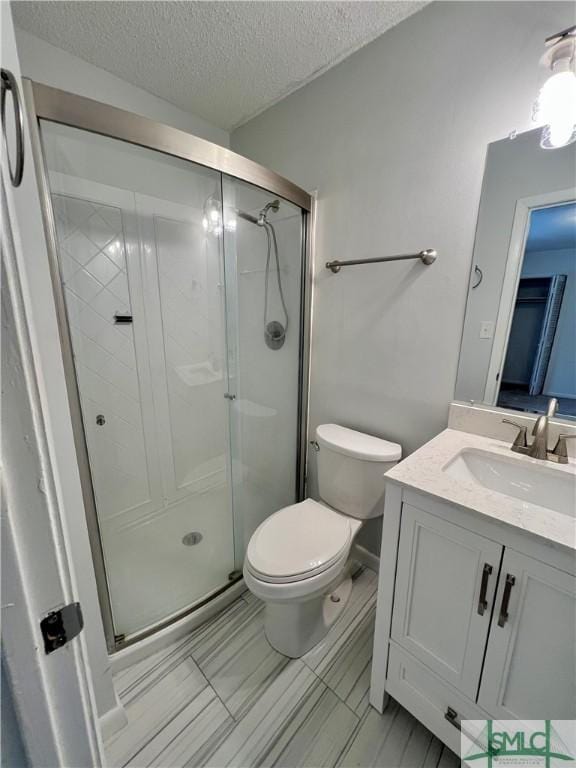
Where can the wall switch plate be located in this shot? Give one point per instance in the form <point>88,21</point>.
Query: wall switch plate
<point>486,329</point>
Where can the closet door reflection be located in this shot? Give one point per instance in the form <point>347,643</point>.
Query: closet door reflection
<point>143,287</point>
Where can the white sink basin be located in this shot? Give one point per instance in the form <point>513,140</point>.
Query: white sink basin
<point>522,479</point>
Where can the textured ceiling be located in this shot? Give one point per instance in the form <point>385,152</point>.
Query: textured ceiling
<point>223,61</point>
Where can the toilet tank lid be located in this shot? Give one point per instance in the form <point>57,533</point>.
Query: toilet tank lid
<point>357,444</point>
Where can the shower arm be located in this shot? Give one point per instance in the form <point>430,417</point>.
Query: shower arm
<point>246,216</point>
<point>427,257</point>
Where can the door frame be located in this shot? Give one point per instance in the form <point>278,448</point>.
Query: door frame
<point>514,261</point>
<point>54,694</point>
<point>33,547</point>
<point>546,326</point>
<point>549,328</point>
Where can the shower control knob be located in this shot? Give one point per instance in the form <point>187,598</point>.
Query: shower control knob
<point>100,420</point>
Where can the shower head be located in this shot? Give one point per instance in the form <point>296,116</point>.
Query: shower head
<point>273,205</point>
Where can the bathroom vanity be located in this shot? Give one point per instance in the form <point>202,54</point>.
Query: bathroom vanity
<point>476,614</point>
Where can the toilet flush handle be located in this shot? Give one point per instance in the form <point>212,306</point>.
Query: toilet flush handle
<point>314,444</point>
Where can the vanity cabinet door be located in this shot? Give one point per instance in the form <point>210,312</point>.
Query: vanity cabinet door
<point>445,585</point>
<point>529,671</point>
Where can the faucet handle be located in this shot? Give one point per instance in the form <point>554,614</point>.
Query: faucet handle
<point>561,449</point>
<point>521,440</point>
<point>552,407</point>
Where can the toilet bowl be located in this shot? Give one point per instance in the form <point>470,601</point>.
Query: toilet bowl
<point>298,559</point>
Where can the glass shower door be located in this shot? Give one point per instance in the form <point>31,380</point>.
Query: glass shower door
<point>143,286</point>
<point>264,248</point>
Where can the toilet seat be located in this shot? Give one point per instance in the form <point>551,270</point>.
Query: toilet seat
<point>295,590</point>
<point>299,542</point>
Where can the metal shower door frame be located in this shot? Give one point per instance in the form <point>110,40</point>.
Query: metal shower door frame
<point>43,102</point>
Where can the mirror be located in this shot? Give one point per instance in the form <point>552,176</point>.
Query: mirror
<point>519,340</point>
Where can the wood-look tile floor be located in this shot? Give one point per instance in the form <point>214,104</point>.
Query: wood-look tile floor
<point>223,697</point>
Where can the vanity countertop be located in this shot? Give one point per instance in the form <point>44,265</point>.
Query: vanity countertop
<point>424,471</point>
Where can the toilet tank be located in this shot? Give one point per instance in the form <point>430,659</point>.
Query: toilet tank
<point>351,466</point>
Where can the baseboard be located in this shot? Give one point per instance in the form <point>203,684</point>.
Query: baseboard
<point>113,720</point>
<point>367,558</point>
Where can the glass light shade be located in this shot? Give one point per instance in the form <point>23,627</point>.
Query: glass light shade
<point>556,109</point>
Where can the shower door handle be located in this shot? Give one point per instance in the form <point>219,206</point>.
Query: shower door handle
<point>9,83</point>
<point>228,396</point>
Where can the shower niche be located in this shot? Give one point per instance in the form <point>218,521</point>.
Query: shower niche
<point>182,298</point>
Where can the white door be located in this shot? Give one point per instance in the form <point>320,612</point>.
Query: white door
<point>530,671</point>
<point>53,693</point>
<point>444,596</point>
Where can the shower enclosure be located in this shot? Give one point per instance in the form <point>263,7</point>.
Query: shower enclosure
<point>180,274</point>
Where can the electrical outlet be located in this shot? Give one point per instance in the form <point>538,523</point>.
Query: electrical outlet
<point>486,329</point>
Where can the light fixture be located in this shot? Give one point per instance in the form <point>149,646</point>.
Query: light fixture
<point>555,108</point>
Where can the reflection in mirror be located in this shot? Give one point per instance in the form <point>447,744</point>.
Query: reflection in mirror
<point>519,339</point>
<point>540,360</point>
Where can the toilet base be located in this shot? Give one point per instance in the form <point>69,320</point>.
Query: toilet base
<point>293,628</point>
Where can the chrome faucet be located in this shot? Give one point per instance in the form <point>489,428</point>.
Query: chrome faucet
<point>538,448</point>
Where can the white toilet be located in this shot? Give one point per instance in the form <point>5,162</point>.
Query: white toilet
<point>297,559</point>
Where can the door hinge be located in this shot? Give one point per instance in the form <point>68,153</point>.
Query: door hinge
<point>61,626</point>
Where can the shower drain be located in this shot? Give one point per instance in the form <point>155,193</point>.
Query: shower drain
<point>189,539</point>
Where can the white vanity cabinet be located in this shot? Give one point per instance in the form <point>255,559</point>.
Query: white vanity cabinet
<point>475,621</point>
<point>445,586</point>
<point>530,657</point>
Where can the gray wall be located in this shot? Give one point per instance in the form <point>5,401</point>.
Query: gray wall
<point>48,64</point>
<point>394,139</point>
